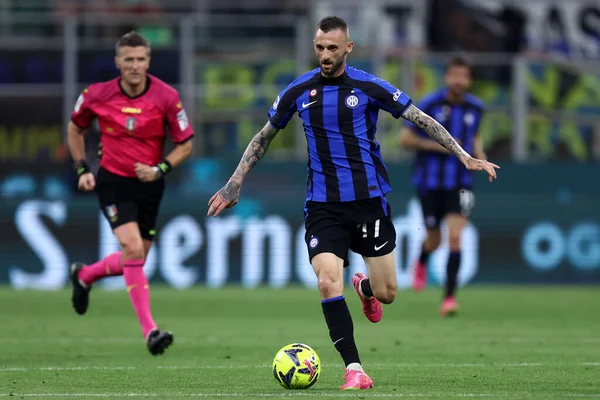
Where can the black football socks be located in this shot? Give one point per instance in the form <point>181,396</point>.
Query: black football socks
<point>341,328</point>
<point>365,287</point>
<point>452,273</point>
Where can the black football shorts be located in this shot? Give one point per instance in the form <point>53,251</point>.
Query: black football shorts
<point>124,199</point>
<point>436,204</point>
<point>363,226</point>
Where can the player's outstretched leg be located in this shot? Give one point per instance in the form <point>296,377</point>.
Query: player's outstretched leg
<point>83,276</point>
<point>455,223</point>
<point>370,305</point>
<point>330,272</point>
<point>341,332</point>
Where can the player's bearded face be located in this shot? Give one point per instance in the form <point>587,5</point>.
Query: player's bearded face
<point>133,62</point>
<point>332,49</point>
<point>458,80</point>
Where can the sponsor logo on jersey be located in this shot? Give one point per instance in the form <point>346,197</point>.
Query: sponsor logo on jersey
<point>131,110</point>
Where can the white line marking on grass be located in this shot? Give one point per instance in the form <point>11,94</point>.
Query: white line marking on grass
<point>288,394</point>
<point>116,368</point>
<point>265,366</point>
<point>280,395</point>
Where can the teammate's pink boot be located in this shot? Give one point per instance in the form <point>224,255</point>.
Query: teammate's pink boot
<point>419,276</point>
<point>449,307</point>
<point>356,380</point>
<point>371,306</point>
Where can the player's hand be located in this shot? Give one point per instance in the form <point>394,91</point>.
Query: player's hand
<point>474,164</point>
<point>87,182</point>
<point>227,197</point>
<point>145,173</point>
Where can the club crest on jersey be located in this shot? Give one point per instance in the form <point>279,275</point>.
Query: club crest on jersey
<point>131,123</point>
<point>352,101</point>
<point>469,119</point>
<point>111,212</point>
<point>314,242</point>
<point>313,93</point>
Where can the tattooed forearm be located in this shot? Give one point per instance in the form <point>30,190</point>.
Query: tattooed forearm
<point>255,151</point>
<point>435,130</point>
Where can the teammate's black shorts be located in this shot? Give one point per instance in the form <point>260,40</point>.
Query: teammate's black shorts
<point>363,226</point>
<point>438,203</point>
<point>124,200</point>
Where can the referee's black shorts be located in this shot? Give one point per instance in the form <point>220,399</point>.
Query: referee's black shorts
<point>124,199</point>
<point>362,226</point>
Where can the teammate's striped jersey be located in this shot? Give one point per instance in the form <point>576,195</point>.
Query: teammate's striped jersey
<point>433,170</point>
<point>340,117</point>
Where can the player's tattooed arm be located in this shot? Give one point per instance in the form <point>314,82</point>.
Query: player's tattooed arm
<point>436,131</point>
<point>256,149</point>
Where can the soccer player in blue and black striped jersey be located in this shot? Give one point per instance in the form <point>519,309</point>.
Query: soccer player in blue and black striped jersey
<point>443,184</point>
<point>345,207</point>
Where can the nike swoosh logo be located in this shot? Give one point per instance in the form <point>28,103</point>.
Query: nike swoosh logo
<point>304,105</point>
<point>377,248</point>
<point>131,287</point>
<point>336,342</point>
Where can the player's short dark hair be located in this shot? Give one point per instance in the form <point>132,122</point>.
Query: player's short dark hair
<point>331,23</point>
<point>458,61</point>
<point>132,39</point>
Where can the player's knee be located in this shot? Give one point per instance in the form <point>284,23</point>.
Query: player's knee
<point>386,294</point>
<point>133,249</point>
<point>330,284</point>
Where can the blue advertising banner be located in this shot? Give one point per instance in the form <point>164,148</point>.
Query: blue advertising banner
<point>536,224</point>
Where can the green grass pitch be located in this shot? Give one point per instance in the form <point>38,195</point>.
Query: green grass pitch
<point>507,342</point>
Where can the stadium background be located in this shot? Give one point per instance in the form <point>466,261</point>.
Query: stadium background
<point>536,68</point>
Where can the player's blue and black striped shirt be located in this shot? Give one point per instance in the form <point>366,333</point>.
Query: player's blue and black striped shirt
<point>434,170</point>
<point>340,117</point>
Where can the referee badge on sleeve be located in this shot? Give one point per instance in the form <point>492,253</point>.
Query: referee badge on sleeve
<point>182,119</point>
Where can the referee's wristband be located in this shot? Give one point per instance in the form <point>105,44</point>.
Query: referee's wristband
<point>82,168</point>
<point>163,168</point>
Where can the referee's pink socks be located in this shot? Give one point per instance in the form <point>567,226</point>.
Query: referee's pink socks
<point>108,266</point>
<point>139,293</point>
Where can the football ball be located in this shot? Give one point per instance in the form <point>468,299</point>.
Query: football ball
<point>296,366</point>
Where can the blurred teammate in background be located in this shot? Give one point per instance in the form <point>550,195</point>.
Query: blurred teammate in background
<point>442,182</point>
<point>345,206</point>
<point>133,112</point>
